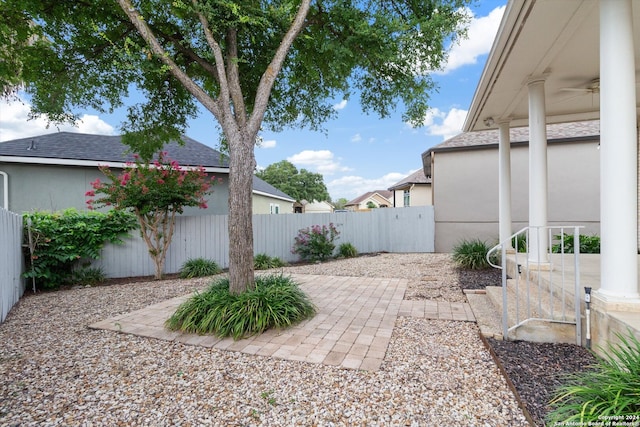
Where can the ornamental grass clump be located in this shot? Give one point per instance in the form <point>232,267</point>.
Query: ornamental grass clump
<point>315,243</point>
<point>199,267</point>
<point>265,262</point>
<point>608,393</point>
<point>275,302</point>
<point>347,250</point>
<point>471,254</point>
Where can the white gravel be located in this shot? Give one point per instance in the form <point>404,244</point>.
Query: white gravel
<point>54,371</point>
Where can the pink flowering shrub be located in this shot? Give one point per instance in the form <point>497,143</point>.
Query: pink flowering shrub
<point>155,192</point>
<point>315,243</point>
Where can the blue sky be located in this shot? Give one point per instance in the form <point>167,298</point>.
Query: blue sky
<point>358,152</point>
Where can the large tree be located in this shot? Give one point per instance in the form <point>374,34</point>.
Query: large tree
<point>299,184</point>
<point>250,63</point>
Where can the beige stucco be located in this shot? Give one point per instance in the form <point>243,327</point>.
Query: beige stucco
<point>465,194</point>
<point>263,205</point>
<point>419,195</point>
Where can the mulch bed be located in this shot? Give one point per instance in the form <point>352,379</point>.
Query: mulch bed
<point>534,369</point>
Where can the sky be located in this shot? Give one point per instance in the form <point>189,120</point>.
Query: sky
<point>357,153</point>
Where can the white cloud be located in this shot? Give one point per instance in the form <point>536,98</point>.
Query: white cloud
<point>269,143</point>
<point>340,105</point>
<point>352,186</point>
<point>356,138</point>
<point>445,124</point>
<point>480,35</point>
<point>321,161</point>
<point>14,123</point>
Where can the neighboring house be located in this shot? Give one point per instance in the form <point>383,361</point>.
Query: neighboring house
<point>414,190</point>
<point>465,182</point>
<point>54,171</point>
<point>305,206</point>
<point>267,199</point>
<point>369,200</point>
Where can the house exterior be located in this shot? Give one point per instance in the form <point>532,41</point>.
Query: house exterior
<point>305,206</point>
<point>54,171</point>
<point>375,199</point>
<point>267,199</point>
<point>465,182</point>
<point>414,190</point>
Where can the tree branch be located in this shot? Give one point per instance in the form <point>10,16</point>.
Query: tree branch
<point>146,33</point>
<point>269,76</point>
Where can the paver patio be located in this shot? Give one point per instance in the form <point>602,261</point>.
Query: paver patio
<point>351,329</point>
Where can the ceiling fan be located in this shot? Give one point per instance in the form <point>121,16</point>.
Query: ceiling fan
<point>592,87</point>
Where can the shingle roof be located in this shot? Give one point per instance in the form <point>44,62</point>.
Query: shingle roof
<point>265,187</point>
<point>418,177</point>
<point>105,148</point>
<point>384,193</point>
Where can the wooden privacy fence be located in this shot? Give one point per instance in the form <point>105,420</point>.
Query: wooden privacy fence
<point>409,229</point>
<point>11,261</point>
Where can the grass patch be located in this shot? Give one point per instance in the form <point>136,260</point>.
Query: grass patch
<point>276,302</point>
<point>347,250</point>
<point>199,267</point>
<point>471,254</point>
<point>265,262</point>
<point>610,391</point>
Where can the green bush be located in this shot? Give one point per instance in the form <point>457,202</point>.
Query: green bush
<point>315,243</point>
<point>588,244</point>
<point>88,276</point>
<point>471,254</point>
<point>275,302</point>
<point>199,267</point>
<point>347,250</point>
<point>62,240</point>
<point>519,242</point>
<point>609,391</point>
<point>265,262</point>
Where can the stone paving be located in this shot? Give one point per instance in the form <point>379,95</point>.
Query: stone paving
<point>351,329</point>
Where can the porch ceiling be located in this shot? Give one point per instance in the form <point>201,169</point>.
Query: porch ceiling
<point>556,39</point>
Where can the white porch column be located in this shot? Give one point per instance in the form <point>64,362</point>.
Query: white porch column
<point>538,240</point>
<point>504,182</point>
<point>618,155</point>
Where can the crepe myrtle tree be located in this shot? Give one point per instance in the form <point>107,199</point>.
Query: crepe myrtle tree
<point>251,64</point>
<point>156,192</point>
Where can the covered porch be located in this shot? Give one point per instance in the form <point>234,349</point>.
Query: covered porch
<point>555,62</point>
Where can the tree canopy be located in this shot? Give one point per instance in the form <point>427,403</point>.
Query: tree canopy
<point>250,63</point>
<point>299,184</point>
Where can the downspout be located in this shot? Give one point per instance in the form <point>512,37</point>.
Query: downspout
<point>5,190</point>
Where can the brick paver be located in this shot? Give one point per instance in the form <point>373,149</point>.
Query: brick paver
<point>352,328</point>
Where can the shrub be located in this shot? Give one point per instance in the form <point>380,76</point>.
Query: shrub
<point>610,391</point>
<point>62,240</point>
<point>588,244</point>
<point>471,254</point>
<point>265,262</point>
<point>315,243</point>
<point>275,302</point>
<point>198,267</point>
<point>89,276</point>
<point>519,242</point>
<point>347,250</point>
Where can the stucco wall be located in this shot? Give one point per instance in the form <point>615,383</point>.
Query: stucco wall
<point>420,196</point>
<point>43,187</point>
<point>465,185</point>
<point>262,205</point>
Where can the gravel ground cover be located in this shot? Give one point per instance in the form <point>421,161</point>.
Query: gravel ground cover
<point>55,371</point>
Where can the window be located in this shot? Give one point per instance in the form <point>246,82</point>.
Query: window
<point>274,208</point>
<point>407,198</point>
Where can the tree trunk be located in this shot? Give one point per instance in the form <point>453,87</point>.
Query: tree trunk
<point>241,166</point>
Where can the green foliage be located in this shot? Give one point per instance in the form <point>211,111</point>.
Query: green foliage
<point>371,205</point>
<point>519,242</point>
<point>610,391</point>
<point>275,302</point>
<point>63,239</point>
<point>301,185</point>
<point>88,276</point>
<point>155,192</point>
<point>347,250</point>
<point>265,262</point>
<point>471,254</point>
<point>340,203</point>
<point>588,244</point>
<point>315,243</point>
<point>199,267</point>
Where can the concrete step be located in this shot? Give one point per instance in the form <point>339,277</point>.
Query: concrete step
<point>487,318</point>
